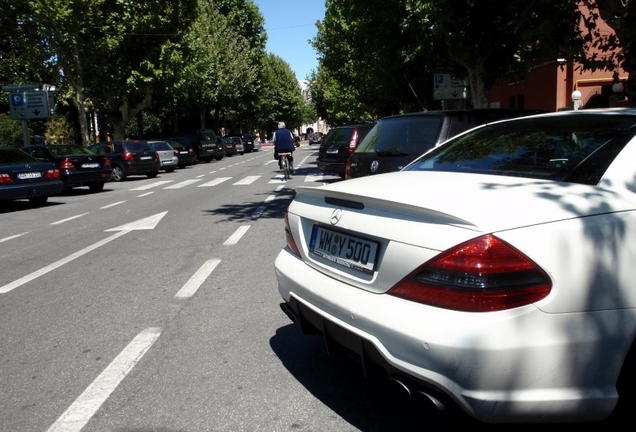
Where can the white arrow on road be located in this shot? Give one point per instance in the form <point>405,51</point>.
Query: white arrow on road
<point>142,224</point>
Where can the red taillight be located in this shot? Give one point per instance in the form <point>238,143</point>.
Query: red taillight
<point>5,179</point>
<point>106,163</point>
<point>482,275</point>
<point>127,156</point>
<point>291,243</point>
<point>66,165</point>
<point>176,152</point>
<point>190,150</point>
<point>52,174</point>
<point>348,174</point>
<point>352,143</point>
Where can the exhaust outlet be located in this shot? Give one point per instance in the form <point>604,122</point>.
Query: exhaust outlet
<point>430,401</point>
<point>289,312</point>
<point>401,388</point>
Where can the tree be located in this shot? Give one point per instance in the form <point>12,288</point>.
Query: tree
<point>618,49</point>
<point>281,94</point>
<point>493,39</point>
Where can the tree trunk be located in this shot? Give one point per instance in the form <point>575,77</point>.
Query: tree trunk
<point>77,83</point>
<point>477,84</point>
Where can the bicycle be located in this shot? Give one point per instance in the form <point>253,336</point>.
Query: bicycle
<point>285,164</point>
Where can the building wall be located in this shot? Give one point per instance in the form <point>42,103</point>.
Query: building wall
<point>549,86</point>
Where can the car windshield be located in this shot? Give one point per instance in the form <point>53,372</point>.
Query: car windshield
<point>562,148</point>
<point>409,135</point>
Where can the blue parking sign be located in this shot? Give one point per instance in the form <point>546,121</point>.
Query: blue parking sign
<point>16,99</point>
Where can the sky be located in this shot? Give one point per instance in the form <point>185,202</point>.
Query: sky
<point>290,24</point>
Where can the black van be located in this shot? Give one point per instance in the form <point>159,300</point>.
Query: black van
<point>396,141</point>
<point>208,146</point>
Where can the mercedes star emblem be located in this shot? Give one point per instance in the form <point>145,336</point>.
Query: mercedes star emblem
<point>335,216</point>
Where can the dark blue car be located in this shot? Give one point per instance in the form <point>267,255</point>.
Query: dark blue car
<point>24,177</point>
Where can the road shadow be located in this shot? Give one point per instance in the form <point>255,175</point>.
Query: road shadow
<point>274,209</point>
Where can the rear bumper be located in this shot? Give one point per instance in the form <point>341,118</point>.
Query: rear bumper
<point>76,179</point>
<point>31,190</point>
<point>520,365</point>
<point>337,167</point>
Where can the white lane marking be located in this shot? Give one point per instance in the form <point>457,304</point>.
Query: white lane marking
<point>270,198</point>
<point>269,162</point>
<point>215,182</point>
<point>112,205</point>
<point>314,178</point>
<point>28,278</point>
<point>199,176</point>
<point>68,219</point>
<point>192,285</point>
<point>279,188</point>
<point>146,194</point>
<point>234,238</point>
<point>212,172</point>
<point>221,169</point>
<point>12,237</point>
<point>151,185</point>
<point>87,404</point>
<point>258,212</point>
<point>280,178</point>
<point>182,184</point>
<point>247,180</point>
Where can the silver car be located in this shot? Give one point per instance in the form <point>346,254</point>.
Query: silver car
<point>167,155</point>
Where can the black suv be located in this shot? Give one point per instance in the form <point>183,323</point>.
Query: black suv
<point>128,157</point>
<point>339,144</point>
<point>396,141</point>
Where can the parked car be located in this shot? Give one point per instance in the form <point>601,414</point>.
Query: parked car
<point>495,273</point>
<point>185,152</point>
<point>238,145</point>
<point>398,140</point>
<point>229,145</point>
<point>77,165</point>
<point>129,157</point>
<point>316,138</point>
<point>209,147</point>
<point>339,144</point>
<point>168,156</point>
<point>250,145</point>
<point>24,177</point>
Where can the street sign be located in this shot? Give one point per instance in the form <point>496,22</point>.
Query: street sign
<point>446,87</point>
<point>28,105</point>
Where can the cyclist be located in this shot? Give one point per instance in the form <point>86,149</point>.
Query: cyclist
<point>284,143</point>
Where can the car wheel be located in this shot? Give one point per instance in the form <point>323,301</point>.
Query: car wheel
<point>169,169</point>
<point>152,175</point>
<point>38,200</point>
<point>218,157</point>
<point>242,153</point>
<point>118,174</point>
<point>96,187</point>
<point>342,175</point>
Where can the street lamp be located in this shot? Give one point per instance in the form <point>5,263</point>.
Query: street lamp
<point>576,99</point>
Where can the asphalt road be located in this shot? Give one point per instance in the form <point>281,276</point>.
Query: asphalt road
<point>153,306</point>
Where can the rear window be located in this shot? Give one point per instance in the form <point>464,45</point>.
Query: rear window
<point>8,156</point>
<point>160,145</point>
<point>572,149</point>
<point>403,136</point>
<point>338,136</point>
<point>69,150</point>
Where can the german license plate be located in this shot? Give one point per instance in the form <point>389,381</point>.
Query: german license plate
<point>332,151</point>
<point>90,165</point>
<point>145,157</point>
<point>29,175</point>
<point>183,152</point>
<point>344,249</point>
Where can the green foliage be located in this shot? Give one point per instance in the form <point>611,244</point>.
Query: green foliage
<point>11,131</point>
